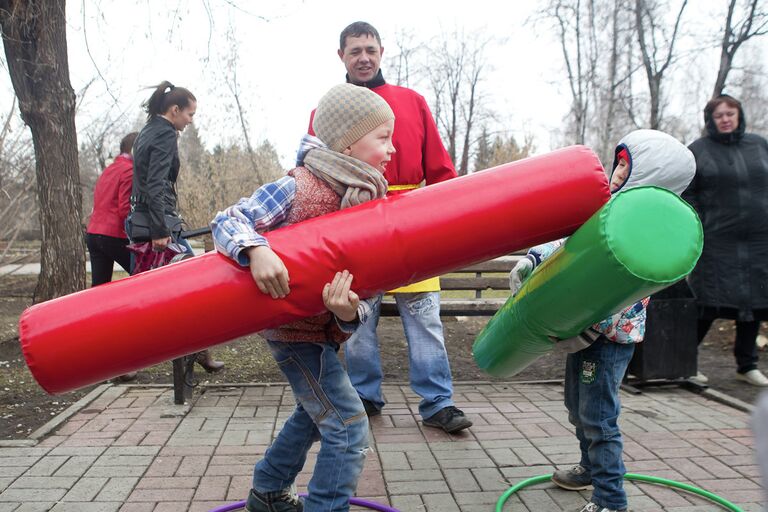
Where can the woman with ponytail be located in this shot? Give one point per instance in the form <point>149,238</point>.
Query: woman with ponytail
<point>153,217</point>
<point>156,166</point>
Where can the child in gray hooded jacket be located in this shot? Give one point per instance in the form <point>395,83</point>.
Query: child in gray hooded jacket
<point>593,375</point>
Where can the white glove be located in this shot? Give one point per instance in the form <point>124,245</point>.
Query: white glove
<point>520,272</point>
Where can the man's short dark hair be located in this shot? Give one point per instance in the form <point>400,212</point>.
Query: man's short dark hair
<point>357,29</point>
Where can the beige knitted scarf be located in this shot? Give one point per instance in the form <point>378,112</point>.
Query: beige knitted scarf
<point>355,181</point>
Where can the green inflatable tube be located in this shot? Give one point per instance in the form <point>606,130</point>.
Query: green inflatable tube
<point>640,242</point>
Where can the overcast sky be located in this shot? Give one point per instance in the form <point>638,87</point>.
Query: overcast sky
<point>287,58</point>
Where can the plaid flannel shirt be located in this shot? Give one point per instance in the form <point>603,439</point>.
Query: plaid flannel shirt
<point>240,225</point>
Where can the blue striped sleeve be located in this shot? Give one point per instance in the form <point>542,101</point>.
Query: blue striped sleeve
<point>544,251</point>
<point>239,226</point>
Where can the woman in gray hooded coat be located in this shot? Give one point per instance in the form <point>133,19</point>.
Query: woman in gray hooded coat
<point>730,194</point>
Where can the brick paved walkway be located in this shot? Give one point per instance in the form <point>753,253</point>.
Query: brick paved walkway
<point>131,450</point>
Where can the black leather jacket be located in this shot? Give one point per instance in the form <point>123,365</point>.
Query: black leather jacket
<point>155,169</point>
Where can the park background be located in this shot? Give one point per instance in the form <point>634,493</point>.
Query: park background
<point>504,81</point>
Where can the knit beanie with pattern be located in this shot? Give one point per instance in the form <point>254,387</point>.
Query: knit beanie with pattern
<point>348,112</point>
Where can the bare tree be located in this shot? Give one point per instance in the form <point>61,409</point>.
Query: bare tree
<point>502,150</point>
<point>753,95</point>
<point>401,67</point>
<point>34,37</point>
<point>472,108</point>
<point>456,76</point>
<point>484,151</point>
<point>213,181</point>
<point>598,43</point>
<point>753,24</point>
<point>17,185</point>
<point>445,79</point>
<point>657,48</point>
<point>613,111</point>
<point>608,94</point>
<point>234,88</point>
<point>577,33</point>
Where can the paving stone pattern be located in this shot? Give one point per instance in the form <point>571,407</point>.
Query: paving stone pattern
<point>132,450</point>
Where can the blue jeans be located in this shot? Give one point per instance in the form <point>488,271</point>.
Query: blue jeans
<point>429,370</point>
<point>327,409</point>
<point>592,380</point>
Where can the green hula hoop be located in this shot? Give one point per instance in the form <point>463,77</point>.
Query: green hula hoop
<point>629,476</point>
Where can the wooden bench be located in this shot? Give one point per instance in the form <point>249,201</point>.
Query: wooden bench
<point>477,290</point>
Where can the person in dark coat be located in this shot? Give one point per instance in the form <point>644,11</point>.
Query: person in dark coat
<point>730,194</point>
<point>170,109</point>
<point>154,217</point>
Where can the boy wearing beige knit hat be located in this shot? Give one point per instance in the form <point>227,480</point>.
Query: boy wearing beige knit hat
<point>343,166</point>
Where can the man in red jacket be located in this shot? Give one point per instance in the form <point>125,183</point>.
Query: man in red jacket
<point>420,159</point>
<point>105,236</point>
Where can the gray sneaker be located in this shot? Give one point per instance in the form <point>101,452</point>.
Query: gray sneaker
<point>591,507</point>
<point>577,478</point>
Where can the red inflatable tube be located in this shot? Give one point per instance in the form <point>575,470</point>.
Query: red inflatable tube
<point>102,332</point>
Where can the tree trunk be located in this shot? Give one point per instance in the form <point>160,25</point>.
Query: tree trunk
<point>754,24</point>
<point>469,124</point>
<point>607,141</point>
<point>726,59</point>
<point>654,86</point>
<point>34,36</point>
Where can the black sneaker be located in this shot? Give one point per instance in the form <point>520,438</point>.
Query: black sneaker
<point>370,408</point>
<point>575,479</point>
<point>449,419</point>
<point>276,501</point>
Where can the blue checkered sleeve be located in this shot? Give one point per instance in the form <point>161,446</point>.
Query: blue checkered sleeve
<point>364,310</point>
<point>239,226</point>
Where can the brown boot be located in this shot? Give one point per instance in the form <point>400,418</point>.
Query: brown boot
<point>209,364</point>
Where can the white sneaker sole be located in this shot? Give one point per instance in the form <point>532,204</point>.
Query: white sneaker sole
<point>742,377</point>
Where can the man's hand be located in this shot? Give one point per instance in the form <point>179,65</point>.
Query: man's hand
<point>520,272</point>
<point>339,299</point>
<point>268,271</point>
<point>159,244</point>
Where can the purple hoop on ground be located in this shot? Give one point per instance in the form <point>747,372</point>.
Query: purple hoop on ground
<point>371,505</point>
